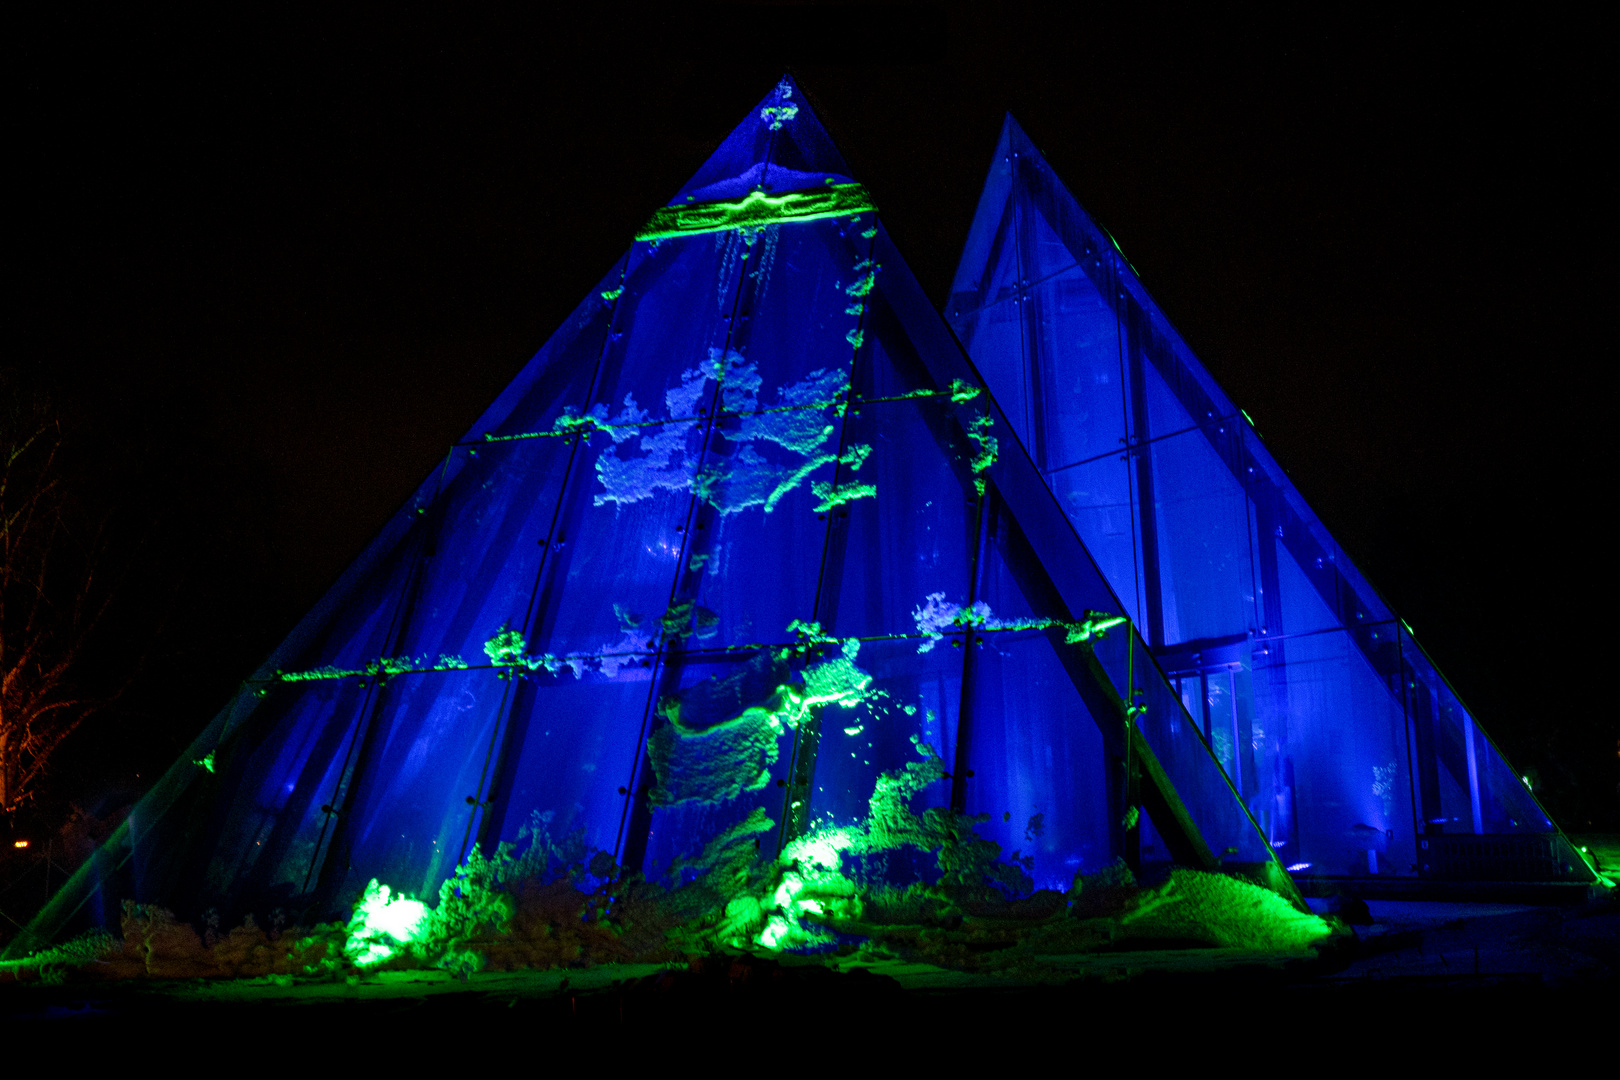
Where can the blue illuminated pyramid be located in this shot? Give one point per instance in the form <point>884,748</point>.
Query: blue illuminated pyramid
<point>1348,746</point>
<point>745,550</point>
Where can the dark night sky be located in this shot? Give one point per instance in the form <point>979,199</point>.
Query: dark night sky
<point>277,267</point>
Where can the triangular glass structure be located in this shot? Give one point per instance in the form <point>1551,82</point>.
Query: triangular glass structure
<point>745,547</point>
<point>1349,747</point>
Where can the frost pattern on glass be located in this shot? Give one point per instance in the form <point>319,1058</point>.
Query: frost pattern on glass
<point>800,421</point>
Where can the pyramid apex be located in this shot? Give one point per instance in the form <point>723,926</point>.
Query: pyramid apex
<point>1014,136</point>
<point>780,146</point>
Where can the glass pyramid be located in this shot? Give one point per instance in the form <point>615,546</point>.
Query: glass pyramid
<point>744,551</point>
<point>1348,746</point>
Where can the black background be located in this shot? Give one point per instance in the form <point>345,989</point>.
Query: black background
<point>272,265</point>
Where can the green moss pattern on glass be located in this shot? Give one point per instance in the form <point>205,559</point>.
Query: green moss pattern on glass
<point>383,666</point>
<point>757,210</point>
<point>935,617</point>
<point>714,762</point>
<point>801,423</point>
<point>978,429</point>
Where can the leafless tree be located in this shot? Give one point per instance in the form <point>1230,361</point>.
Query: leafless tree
<point>51,597</point>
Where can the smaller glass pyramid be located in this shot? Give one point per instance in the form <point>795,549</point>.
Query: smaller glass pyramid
<point>1347,744</point>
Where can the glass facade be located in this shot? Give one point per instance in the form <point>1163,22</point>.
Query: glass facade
<point>1345,742</point>
<point>744,543</point>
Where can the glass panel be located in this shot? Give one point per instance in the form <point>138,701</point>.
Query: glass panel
<point>998,330</point>
<point>274,774</point>
<point>798,312</point>
<point>1506,802</point>
<point>426,753</point>
<point>985,239</point>
<point>1463,784</point>
<point>1058,234</point>
<point>1159,412</point>
<point>1077,383</point>
<point>1042,250</point>
<point>1267,779</point>
<point>1342,739</point>
<point>1096,496</point>
<point>1297,606</point>
<point>719,744</point>
<point>752,573</point>
<point>911,696</point>
<point>911,537</point>
<point>1196,776</point>
<point>1196,393</point>
<point>995,282</point>
<point>1281,513</point>
<point>752,566</point>
<point>677,307</point>
<point>1201,538</point>
<point>1037,760</point>
<point>561,374</point>
<point>1221,720</point>
<point>485,537</point>
<point>606,584</point>
<point>626,508</point>
<point>562,776</point>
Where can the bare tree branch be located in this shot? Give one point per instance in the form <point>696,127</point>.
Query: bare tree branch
<point>52,598</point>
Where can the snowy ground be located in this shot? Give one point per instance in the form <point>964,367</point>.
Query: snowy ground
<point>1427,960</point>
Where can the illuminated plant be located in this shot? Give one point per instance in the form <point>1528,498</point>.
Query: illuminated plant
<point>382,925</point>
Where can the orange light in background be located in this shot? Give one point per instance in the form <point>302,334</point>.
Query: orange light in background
<point>19,843</point>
